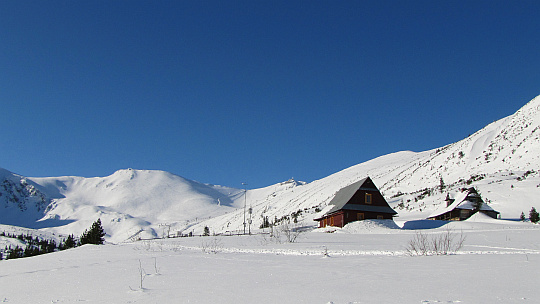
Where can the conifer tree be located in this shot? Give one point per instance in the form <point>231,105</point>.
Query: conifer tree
<point>15,253</point>
<point>441,184</point>
<point>94,235</point>
<point>69,242</point>
<point>534,216</point>
<point>522,216</point>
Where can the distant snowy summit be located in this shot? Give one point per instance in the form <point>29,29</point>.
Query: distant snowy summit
<point>131,203</point>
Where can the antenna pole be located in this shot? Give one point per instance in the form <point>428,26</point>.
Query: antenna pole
<point>245,200</point>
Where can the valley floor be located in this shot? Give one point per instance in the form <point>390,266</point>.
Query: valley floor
<point>365,264</point>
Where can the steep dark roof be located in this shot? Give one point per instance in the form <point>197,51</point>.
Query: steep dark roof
<point>344,195</point>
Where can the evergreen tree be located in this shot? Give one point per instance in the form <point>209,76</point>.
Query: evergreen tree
<point>15,253</point>
<point>534,216</point>
<point>206,231</point>
<point>522,216</point>
<point>441,184</point>
<point>31,251</point>
<point>265,223</point>
<point>69,242</point>
<point>94,235</point>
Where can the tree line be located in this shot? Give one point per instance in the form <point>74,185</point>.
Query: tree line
<point>36,246</point>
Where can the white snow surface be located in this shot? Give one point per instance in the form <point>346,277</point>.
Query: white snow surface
<point>499,263</point>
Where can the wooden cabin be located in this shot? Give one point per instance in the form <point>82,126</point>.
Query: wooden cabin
<point>463,205</point>
<point>359,201</point>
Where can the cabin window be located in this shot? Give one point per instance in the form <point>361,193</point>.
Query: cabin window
<point>368,198</point>
<point>380,217</point>
<point>360,216</point>
<point>324,223</point>
<point>332,221</point>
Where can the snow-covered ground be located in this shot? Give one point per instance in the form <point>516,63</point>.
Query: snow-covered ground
<point>365,262</point>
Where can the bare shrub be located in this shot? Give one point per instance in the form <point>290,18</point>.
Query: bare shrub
<point>285,232</point>
<point>290,231</point>
<point>147,245</point>
<point>212,246</point>
<point>446,243</point>
<point>418,245</point>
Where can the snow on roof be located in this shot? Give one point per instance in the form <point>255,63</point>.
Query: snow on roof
<point>461,202</point>
<point>457,200</point>
<point>343,196</point>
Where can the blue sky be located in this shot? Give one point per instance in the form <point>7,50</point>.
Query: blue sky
<point>226,92</point>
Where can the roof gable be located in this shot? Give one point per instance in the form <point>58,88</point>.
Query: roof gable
<point>344,195</point>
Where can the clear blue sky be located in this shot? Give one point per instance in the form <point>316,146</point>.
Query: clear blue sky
<point>226,92</point>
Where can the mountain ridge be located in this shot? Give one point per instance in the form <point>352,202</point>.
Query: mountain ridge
<point>499,160</point>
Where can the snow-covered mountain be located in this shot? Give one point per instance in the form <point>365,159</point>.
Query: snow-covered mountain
<point>131,203</point>
<point>23,200</point>
<point>501,160</point>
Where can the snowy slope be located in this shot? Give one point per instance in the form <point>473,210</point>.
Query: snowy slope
<point>131,203</point>
<point>310,199</point>
<point>509,144</point>
<point>501,161</point>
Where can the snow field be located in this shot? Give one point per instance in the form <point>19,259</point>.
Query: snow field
<point>498,264</point>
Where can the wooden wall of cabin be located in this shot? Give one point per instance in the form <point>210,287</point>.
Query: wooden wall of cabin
<point>335,220</point>
<point>353,215</point>
<point>343,217</point>
<point>490,213</point>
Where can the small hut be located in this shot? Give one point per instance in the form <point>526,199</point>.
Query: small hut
<point>358,201</point>
<point>462,205</point>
